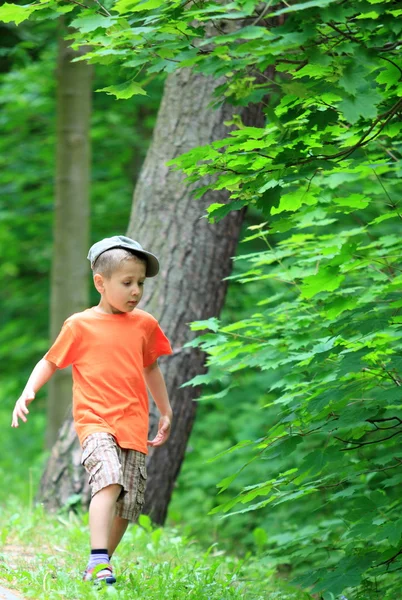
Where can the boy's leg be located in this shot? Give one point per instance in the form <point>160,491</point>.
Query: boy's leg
<point>118,529</point>
<point>130,503</point>
<point>101,459</point>
<point>101,515</point>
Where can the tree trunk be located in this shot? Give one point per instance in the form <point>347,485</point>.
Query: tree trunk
<point>69,280</point>
<point>195,257</point>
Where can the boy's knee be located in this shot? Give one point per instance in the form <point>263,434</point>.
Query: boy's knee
<point>115,489</point>
<point>111,491</point>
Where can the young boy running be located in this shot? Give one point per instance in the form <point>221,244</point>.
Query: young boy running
<point>113,349</point>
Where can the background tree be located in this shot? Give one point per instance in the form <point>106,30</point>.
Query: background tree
<point>69,281</point>
<point>27,156</point>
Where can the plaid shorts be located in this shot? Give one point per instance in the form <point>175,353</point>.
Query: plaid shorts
<point>107,464</point>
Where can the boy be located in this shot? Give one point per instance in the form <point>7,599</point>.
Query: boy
<point>113,349</point>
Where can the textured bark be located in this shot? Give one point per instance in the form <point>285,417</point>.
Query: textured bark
<point>69,280</point>
<point>195,257</point>
<point>64,481</point>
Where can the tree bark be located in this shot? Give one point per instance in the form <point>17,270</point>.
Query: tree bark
<point>69,278</point>
<point>195,257</point>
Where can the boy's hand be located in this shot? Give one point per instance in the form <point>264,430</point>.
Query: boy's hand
<point>163,432</point>
<point>20,409</point>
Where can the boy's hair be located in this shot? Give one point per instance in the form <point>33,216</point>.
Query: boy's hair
<point>111,260</point>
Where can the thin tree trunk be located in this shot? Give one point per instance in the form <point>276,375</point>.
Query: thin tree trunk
<point>195,257</point>
<point>69,280</point>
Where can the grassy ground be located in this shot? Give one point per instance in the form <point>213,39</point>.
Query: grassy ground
<point>43,556</point>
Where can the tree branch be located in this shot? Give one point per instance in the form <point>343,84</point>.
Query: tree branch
<point>390,560</point>
<point>357,445</point>
<point>348,479</point>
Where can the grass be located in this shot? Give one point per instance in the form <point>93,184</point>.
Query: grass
<point>43,557</point>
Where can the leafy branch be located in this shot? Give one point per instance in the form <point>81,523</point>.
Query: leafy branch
<point>357,444</point>
<point>389,561</point>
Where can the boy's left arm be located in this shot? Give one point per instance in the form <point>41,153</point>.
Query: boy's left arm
<point>156,385</point>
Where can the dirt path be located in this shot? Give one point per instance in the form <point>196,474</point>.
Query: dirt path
<point>12,555</point>
<point>8,595</point>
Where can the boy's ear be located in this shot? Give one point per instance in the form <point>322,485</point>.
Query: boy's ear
<point>99,283</point>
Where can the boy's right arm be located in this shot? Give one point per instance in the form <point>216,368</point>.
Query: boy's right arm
<point>39,376</point>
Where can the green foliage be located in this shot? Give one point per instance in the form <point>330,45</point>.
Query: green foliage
<point>14,13</point>
<point>331,349</point>
<point>120,135</point>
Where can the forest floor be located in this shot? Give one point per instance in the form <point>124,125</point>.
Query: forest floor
<point>42,557</point>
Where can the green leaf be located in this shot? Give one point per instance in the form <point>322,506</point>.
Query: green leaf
<point>225,483</point>
<point>270,196</point>
<point>292,201</point>
<point>260,537</point>
<point>213,324</point>
<point>238,446</point>
<point>393,533</point>
<point>369,15</point>
<point>353,78</point>
<point>217,211</point>
<point>391,215</point>
<point>303,6</point>
<point>390,75</point>
<point>125,90</point>
<point>333,309</point>
<point>324,344</point>
<point>198,380</point>
<point>222,394</point>
<point>245,33</point>
<point>327,279</point>
<point>89,23</point>
<point>145,522</point>
<point>363,105</point>
<point>124,6</point>
<point>14,13</point>
<point>354,201</point>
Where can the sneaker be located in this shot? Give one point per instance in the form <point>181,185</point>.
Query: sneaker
<point>100,574</point>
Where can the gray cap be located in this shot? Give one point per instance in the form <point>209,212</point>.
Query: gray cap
<point>121,241</point>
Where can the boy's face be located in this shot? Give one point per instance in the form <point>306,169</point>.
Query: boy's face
<point>123,291</point>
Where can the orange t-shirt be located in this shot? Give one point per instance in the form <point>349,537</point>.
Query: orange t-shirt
<point>108,353</point>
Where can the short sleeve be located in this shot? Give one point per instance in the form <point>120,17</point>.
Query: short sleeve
<point>156,345</point>
<point>63,351</point>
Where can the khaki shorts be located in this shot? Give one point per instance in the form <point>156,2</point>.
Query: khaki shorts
<point>107,464</point>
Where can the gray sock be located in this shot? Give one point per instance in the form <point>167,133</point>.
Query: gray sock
<point>98,557</point>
